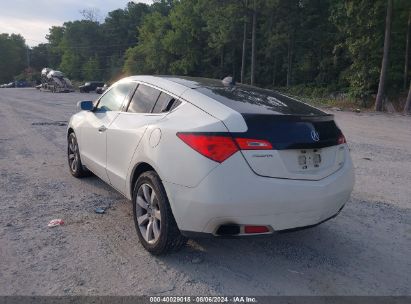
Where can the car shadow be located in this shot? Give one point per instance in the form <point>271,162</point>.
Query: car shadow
<point>346,255</point>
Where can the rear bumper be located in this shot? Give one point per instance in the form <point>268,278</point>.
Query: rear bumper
<point>193,234</point>
<point>233,194</point>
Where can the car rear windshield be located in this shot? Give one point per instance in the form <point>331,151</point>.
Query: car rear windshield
<point>251,100</point>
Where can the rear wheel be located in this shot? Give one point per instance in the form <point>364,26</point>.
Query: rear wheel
<point>73,155</point>
<point>153,218</point>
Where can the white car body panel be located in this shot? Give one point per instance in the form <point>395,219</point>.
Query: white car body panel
<point>123,137</point>
<point>232,119</point>
<point>245,189</point>
<point>232,193</point>
<point>170,156</point>
<point>93,142</point>
<point>282,164</point>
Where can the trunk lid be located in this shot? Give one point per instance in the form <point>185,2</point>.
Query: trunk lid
<point>304,147</point>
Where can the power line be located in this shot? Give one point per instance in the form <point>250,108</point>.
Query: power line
<point>86,46</point>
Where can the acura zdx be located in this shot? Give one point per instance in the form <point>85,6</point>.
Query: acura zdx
<point>201,156</point>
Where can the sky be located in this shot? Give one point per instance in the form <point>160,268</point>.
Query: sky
<point>32,19</point>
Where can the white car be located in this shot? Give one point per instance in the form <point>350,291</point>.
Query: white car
<point>201,156</point>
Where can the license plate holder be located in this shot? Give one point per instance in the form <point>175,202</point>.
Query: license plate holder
<point>309,159</point>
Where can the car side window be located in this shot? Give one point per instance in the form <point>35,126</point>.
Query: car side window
<point>165,103</point>
<point>143,100</point>
<point>113,99</point>
<point>162,103</point>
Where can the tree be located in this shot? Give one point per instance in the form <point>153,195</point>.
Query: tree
<point>186,40</point>
<point>150,55</point>
<point>120,32</point>
<point>80,41</point>
<point>314,47</point>
<point>91,69</point>
<point>407,51</point>
<point>244,45</point>
<point>407,107</point>
<point>223,29</point>
<point>91,14</point>
<point>13,57</point>
<point>356,50</point>
<point>384,64</point>
<point>39,56</point>
<point>162,6</point>
<point>253,38</point>
<point>120,26</point>
<point>55,38</point>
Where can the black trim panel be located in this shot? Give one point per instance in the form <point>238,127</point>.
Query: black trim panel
<point>287,132</point>
<point>292,132</point>
<point>310,226</point>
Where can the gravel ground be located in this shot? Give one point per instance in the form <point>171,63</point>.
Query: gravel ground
<point>364,251</point>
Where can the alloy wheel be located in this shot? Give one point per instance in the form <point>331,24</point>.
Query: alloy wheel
<point>73,154</point>
<point>148,213</point>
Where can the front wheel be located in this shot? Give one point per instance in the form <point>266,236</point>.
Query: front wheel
<point>73,155</point>
<point>153,218</point>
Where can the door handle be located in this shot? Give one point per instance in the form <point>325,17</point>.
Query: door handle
<point>102,129</point>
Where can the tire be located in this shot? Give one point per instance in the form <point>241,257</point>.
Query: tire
<point>163,236</point>
<point>73,156</point>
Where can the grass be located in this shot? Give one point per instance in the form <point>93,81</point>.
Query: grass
<point>323,97</point>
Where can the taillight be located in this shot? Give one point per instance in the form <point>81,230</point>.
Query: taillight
<point>341,139</point>
<point>220,147</point>
<point>215,147</point>
<point>253,144</point>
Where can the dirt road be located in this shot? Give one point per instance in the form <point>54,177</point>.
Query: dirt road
<point>364,251</point>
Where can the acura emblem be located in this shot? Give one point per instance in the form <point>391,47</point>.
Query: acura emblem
<point>315,136</point>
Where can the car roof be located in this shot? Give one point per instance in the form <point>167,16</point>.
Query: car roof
<point>186,81</point>
<point>194,82</point>
<point>244,99</point>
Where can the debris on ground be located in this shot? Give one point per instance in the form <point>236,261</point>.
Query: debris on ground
<point>366,158</point>
<point>55,222</point>
<point>100,210</point>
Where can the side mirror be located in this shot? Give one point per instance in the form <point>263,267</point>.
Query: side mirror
<point>85,105</point>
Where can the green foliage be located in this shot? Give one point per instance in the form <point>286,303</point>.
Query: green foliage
<point>360,42</point>
<point>91,69</point>
<point>316,46</point>
<point>79,45</point>
<point>55,53</point>
<point>88,50</point>
<point>13,52</point>
<point>39,56</point>
<point>185,40</point>
<point>150,55</point>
